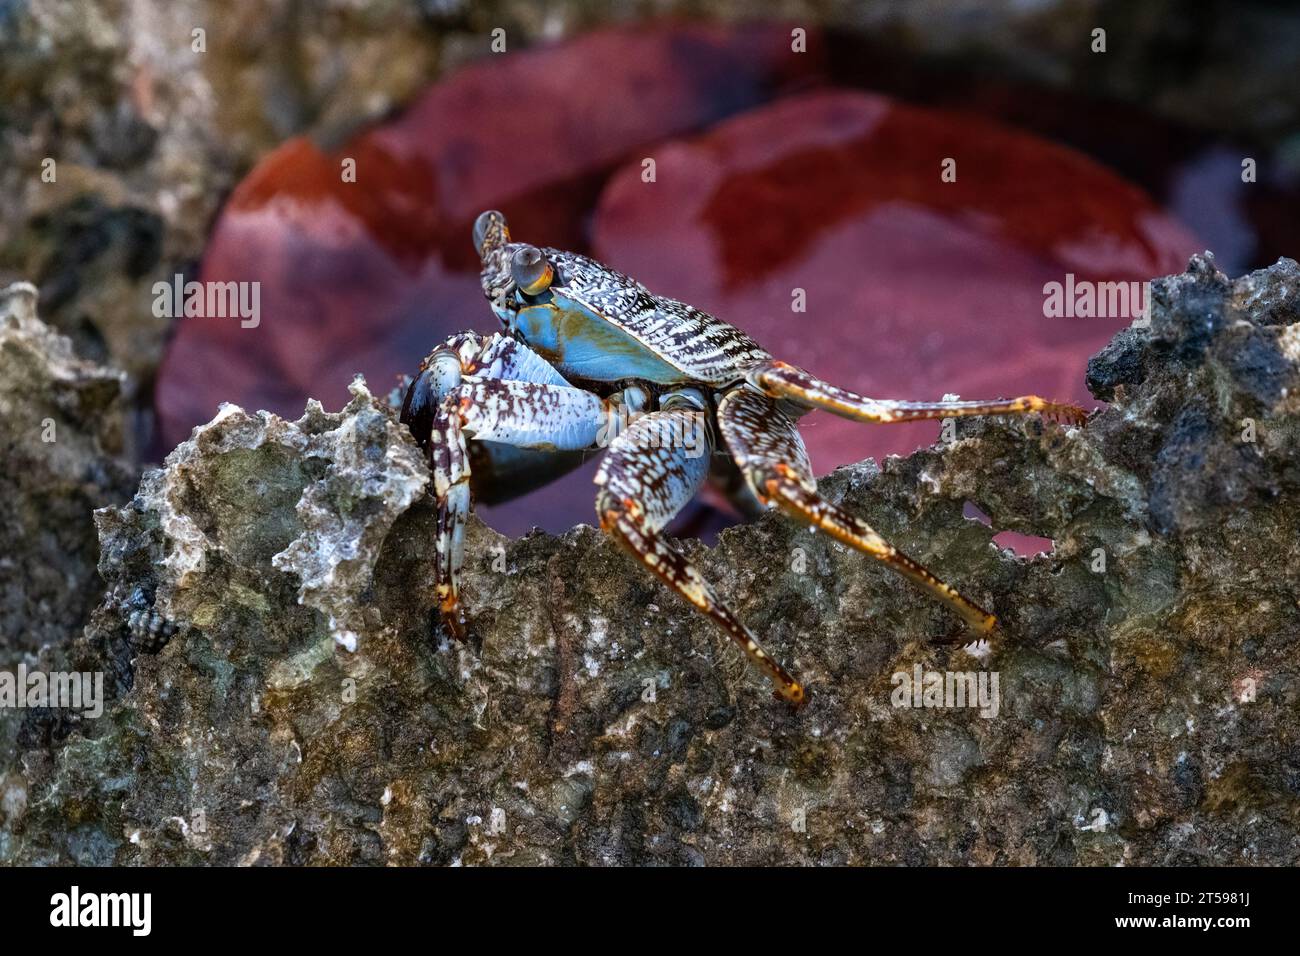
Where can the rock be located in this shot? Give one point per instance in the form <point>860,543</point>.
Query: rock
<point>1219,360</point>
<point>61,427</point>
<point>282,700</point>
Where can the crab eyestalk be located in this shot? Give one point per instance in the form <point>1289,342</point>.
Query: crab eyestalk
<point>490,233</point>
<point>531,271</point>
<point>492,243</point>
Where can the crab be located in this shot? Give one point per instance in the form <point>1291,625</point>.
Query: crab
<point>587,359</point>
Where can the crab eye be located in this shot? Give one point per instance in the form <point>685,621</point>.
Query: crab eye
<point>489,228</point>
<point>531,271</point>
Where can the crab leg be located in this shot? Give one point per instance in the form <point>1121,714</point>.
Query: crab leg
<point>782,380</point>
<point>449,402</point>
<point>645,479</point>
<point>449,459</point>
<point>520,414</point>
<point>766,445</point>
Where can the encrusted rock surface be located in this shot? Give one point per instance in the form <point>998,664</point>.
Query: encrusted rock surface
<point>61,429</point>
<point>279,698</point>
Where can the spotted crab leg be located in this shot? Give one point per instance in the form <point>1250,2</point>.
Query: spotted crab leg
<point>525,404</point>
<point>781,380</point>
<point>766,445</point>
<point>645,479</point>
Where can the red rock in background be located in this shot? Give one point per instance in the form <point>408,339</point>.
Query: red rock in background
<point>369,275</point>
<point>914,287</point>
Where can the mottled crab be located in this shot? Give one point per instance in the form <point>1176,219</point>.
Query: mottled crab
<point>588,358</point>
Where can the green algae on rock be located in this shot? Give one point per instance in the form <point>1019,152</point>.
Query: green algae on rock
<point>283,700</point>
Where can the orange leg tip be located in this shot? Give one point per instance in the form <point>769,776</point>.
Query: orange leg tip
<point>452,615</point>
<point>794,695</point>
<point>1066,412</point>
